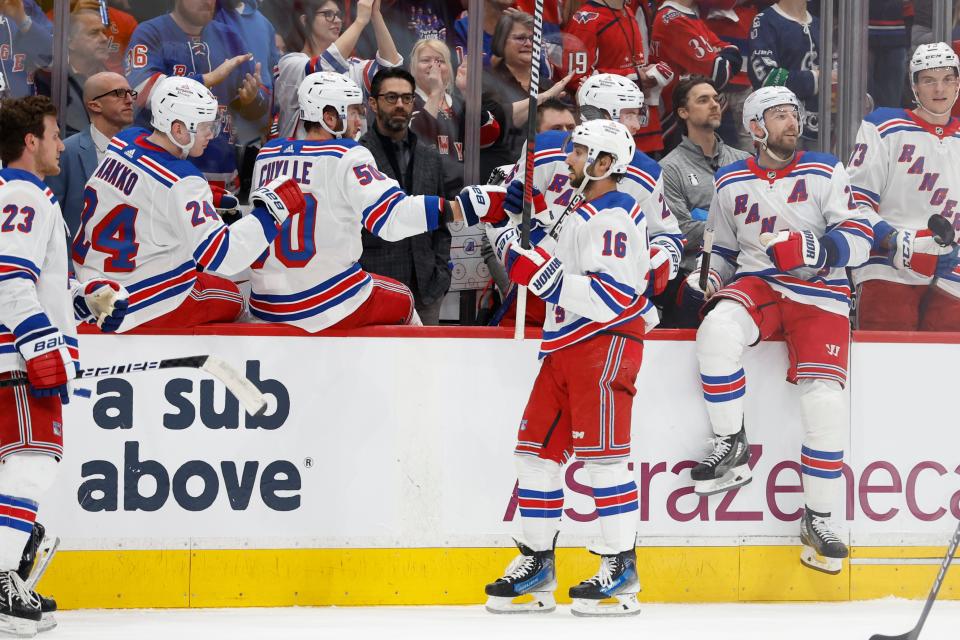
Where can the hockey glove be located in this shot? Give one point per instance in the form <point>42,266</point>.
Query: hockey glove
<point>659,270</point>
<point>483,203</point>
<point>49,365</point>
<point>691,296</point>
<point>537,270</point>
<point>280,198</point>
<point>918,251</point>
<point>101,302</point>
<point>226,204</point>
<point>513,204</point>
<point>790,250</point>
<point>776,78</point>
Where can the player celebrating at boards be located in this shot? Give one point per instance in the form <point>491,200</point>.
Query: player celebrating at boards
<point>903,169</point>
<point>149,217</point>
<point>582,398</point>
<point>38,317</point>
<point>310,277</point>
<point>785,228</point>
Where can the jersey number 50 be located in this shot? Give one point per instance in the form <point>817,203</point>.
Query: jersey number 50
<point>114,235</point>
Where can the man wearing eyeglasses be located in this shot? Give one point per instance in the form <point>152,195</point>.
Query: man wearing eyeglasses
<point>422,261</point>
<point>108,100</point>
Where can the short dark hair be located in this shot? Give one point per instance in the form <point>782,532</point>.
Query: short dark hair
<point>681,93</point>
<point>553,104</point>
<point>18,117</point>
<point>387,73</point>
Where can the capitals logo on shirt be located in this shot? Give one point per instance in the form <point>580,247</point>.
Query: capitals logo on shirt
<point>583,17</point>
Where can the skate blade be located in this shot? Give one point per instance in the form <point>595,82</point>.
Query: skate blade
<point>47,623</point>
<point>18,627</point>
<point>45,552</point>
<point>625,604</point>
<point>810,558</point>
<point>533,602</point>
<point>736,477</point>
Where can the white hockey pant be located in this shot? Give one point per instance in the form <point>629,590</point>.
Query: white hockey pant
<point>25,477</point>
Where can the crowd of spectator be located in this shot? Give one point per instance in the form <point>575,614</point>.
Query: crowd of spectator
<point>695,61</point>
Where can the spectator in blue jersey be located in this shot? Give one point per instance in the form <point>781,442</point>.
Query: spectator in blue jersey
<point>887,52</point>
<point>319,43</point>
<point>785,45</point>
<point>26,45</point>
<point>188,42</point>
<point>492,11</point>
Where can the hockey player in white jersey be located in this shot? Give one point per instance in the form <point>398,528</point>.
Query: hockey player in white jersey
<point>904,168</point>
<point>39,309</point>
<point>593,283</point>
<point>311,277</point>
<point>605,96</point>
<point>785,228</point>
<point>149,220</point>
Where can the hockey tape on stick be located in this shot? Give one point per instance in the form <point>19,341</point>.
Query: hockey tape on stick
<point>705,253</point>
<point>527,211</point>
<point>246,393</point>
<point>914,633</point>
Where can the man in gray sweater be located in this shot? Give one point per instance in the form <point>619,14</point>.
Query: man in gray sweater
<point>688,174</point>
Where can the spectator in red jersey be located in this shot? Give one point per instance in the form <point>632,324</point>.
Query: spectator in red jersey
<point>683,41</point>
<point>731,21</point>
<point>605,37</point>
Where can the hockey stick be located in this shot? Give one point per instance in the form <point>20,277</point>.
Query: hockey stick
<point>705,255</point>
<point>244,390</point>
<point>528,168</point>
<point>941,229</point>
<point>914,633</point>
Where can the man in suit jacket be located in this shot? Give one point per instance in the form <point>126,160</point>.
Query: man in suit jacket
<point>109,103</point>
<point>421,262</point>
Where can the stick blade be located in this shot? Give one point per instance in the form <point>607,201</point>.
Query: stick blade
<point>942,229</point>
<point>903,636</point>
<point>249,396</point>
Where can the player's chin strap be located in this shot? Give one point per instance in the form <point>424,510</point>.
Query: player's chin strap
<point>575,201</point>
<point>763,145</point>
<point>921,106</point>
<point>184,149</point>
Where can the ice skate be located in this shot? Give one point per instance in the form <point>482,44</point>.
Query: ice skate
<point>48,606</point>
<point>37,555</point>
<point>532,573</point>
<point>822,549</point>
<point>617,578</point>
<point>19,607</point>
<point>726,468</point>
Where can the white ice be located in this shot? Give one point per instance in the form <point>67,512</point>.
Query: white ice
<point>823,621</point>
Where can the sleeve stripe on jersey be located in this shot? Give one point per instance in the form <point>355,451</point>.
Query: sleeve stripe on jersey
<point>375,216</point>
<point>370,69</point>
<point>14,267</point>
<point>210,252</point>
<point>858,227</point>
<point>641,177</point>
<point>614,294</point>
<point>548,156</point>
<point>734,176</point>
<point>636,214</point>
<point>867,197</point>
<point>730,255</point>
<point>156,170</point>
<point>672,244</point>
<point>36,326</point>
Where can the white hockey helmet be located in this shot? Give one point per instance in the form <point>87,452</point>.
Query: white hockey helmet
<point>3,83</point>
<point>327,89</point>
<point>765,98</point>
<point>611,93</point>
<point>935,55</point>
<point>175,98</point>
<point>605,136</point>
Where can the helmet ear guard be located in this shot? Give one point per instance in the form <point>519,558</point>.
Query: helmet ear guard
<point>327,89</point>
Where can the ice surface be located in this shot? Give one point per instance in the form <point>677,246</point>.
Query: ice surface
<point>823,621</point>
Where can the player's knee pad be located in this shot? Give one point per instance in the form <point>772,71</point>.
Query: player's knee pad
<point>824,413</point>
<point>27,474</point>
<point>726,331</point>
<point>538,470</point>
<point>612,472</point>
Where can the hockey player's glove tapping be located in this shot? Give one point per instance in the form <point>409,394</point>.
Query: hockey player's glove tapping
<point>483,203</point>
<point>101,302</point>
<point>226,204</point>
<point>789,250</point>
<point>513,204</point>
<point>919,251</point>
<point>537,270</point>
<point>49,365</point>
<point>659,270</point>
<point>691,296</point>
<point>280,198</point>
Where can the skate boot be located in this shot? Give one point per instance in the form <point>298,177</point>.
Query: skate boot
<point>48,606</point>
<point>531,573</point>
<point>617,578</point>
<point>726,467</point>
<point>19,608</point>
<point>822,549</point>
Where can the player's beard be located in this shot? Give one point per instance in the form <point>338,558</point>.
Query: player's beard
<point>782,148</point>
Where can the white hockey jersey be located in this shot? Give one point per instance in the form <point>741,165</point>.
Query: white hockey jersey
<point>606,259</point>
<point>148,222</point>
<point>811,193</point>
<point>310,276</point>
<point>294,67</point>
<point>902,171</point>
<point>34,288</point>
